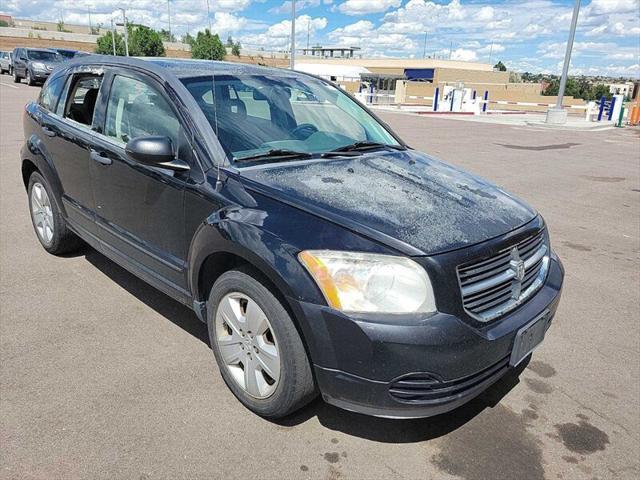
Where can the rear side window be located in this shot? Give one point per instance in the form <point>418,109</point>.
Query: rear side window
<point>82,98</point>
<point>51,93</point>
<point>136,109</point>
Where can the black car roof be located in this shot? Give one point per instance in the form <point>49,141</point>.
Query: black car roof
<point>182,68</point>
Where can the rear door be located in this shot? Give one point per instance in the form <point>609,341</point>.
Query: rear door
<point>140,208</point>
<point>70,135</point>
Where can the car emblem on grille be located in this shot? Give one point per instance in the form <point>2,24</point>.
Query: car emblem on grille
<point>517,266</point>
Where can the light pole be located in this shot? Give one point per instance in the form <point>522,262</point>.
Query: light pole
<point>126,32</point>
<point>169,13</point>
<point>292,59</point>
<point>424,52</point>
<point>113,37</point>
<point>557,115</point>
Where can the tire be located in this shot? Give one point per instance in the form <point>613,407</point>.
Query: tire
<point>16,77</point>
<point>29,79</point>
<point>294,386</point>
<point>3,71</point>
<point>50,227</point>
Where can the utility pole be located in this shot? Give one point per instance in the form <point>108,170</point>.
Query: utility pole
<point>557,115</point>
<point>292,59</point>
<point>209,16</point>
<point>90,29</point>
<point>113,37</point>
<point>424,52</point>
<point>169,13</point>
<point>126,32</point>
<point>308,33</point>
<point>490,52</point>
<point>450,49</point>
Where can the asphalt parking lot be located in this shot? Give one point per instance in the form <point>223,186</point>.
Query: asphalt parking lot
<point>103,377</point>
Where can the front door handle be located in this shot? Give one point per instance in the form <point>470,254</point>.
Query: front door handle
<point>48,132</point>
<point>100,157</point>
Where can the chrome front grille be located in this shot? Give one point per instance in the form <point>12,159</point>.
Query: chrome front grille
<point>493,286</point>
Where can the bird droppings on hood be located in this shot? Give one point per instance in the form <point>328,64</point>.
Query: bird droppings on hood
<point>430,205</point>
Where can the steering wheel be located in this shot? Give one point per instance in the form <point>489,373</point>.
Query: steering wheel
<point>303,131</point>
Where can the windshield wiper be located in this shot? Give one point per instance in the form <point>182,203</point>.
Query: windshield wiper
<point>282,153</point>
<point>358,146</point>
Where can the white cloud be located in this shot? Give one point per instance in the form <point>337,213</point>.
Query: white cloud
<point>600,7</point>
<point>485,14</point>
<point>277,36</point>
<point>365,7</point>
<point>464,55</point>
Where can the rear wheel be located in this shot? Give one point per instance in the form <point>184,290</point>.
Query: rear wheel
<point>28,78</point>
<point>48,223</point>
<point>258,349</point>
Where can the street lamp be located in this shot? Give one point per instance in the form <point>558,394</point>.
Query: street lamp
<point>292,59</point>
<point>557,115</point>
<point>126,33</point>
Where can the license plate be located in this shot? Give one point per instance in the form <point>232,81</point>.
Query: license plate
<point>529,337</point>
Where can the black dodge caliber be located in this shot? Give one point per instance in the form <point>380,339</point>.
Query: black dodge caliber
<point>323,253</point>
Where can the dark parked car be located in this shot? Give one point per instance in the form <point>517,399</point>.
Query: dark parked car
<point>34,64</point>
<point>68,54</point>
<point>323,253</point>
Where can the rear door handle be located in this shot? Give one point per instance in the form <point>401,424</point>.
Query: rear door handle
<point>100,157</point>
<point>48,132</point>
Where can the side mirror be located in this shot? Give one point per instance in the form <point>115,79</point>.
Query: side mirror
<point>155,151</point>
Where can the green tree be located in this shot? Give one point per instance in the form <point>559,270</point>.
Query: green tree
<point>104,44</point>
<point>500,66</point>
<point>188,39</point>
<point>229,41</point>
<point>145,42</point>
<point>599,90</point>
<point>166,36</point>
<point>235,49</point>
<point>4,23</point>
<point>207,46</point>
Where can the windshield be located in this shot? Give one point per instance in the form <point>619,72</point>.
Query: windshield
<point>67,53</point>
<point>41,55</point>
<point>254,114</point>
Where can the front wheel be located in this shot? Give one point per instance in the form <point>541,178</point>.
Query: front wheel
<point>29,79</point>
<point>257,346</point>
<point>16,77</point>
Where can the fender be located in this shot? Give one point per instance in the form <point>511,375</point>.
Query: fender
<point>238,231</point>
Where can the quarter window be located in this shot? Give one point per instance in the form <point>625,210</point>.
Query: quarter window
<point>51,92</point>
<point>135,109</point>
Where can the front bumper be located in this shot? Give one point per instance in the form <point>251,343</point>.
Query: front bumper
<point>415,367</point>
<point>40,75</point>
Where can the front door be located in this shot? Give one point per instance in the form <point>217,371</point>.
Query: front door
<point>140,208</point>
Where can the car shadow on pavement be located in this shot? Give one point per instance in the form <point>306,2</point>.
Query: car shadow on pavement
<point>333,418</point>
<point>169,308</point>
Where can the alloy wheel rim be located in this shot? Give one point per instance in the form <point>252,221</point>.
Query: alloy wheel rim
<point>247,345</point>
<point>42,213</point>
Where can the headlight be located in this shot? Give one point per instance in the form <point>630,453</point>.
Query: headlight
<point>363,282</point>
<point>39,66</point>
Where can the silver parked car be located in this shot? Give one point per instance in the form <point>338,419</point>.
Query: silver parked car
<point>6,64</point>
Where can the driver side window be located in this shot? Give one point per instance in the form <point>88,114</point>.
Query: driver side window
<point>135,109</point>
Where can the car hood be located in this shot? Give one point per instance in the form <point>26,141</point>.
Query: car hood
<point>402,198</point>
<point>47,63</point>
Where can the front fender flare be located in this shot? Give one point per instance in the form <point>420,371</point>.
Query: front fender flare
<point>238,231</point>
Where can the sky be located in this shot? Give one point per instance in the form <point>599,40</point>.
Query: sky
<point>525,35</point>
